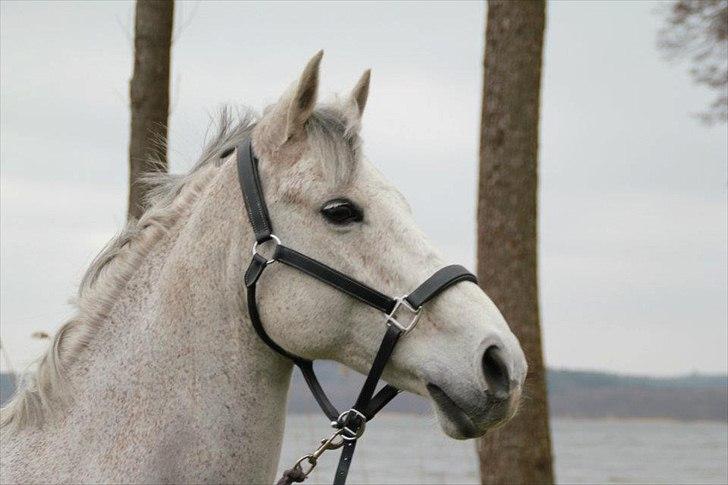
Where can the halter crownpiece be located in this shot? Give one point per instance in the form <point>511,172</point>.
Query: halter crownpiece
<point>349,424</point>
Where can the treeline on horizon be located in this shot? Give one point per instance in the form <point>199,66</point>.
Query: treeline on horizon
<point>565,378</point>
<point>572,393</point>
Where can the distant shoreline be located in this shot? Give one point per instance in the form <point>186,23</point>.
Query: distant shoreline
<point>653,420</point>
<point>647,419</point>
<point>572,394</point>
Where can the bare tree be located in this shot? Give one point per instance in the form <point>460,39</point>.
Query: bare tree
<point>698,31</point>
<point>149,93</point>
<point>520,452</point>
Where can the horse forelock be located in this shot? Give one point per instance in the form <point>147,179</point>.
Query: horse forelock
<point>334,143</point>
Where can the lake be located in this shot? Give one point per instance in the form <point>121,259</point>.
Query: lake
<point>408,448</point>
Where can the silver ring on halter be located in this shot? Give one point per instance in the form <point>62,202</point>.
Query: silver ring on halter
<point>277,242</point>
<point>347,433</point>
<point>402,302</point>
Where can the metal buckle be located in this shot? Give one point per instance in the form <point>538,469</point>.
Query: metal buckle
<point>347,433</point>
<point>402,301</point>
<point>312,458</point>
<point>277,242</point>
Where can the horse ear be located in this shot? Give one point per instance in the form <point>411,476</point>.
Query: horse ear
<point>360,93</point>
<point>303,99</point>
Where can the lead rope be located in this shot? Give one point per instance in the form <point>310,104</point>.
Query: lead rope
<point>291,475</point>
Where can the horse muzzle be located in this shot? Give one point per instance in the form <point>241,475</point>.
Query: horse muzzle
<point>469,411</point>
<point>462,420</point>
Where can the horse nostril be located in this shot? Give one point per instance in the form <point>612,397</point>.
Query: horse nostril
<point>495,371</point>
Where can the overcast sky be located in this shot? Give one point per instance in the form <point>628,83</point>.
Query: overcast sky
<point>633,232</point>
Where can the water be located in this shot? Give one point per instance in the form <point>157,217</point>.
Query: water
<point>401,448</point>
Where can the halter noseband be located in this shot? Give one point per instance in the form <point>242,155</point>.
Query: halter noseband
<point>349,424</point>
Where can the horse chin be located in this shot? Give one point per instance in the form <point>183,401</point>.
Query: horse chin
<point>453,420</point>
<point>462,425</point>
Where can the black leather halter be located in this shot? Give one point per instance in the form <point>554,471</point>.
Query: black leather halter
<point>349,424</point>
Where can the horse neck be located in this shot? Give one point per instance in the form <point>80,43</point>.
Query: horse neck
<point>188,373</point>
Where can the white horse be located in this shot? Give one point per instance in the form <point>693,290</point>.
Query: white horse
<point>160,376</point>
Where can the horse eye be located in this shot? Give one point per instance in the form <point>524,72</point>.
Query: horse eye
<point>341,212</point>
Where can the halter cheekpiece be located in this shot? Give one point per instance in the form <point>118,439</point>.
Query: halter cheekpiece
<point>400,315</point>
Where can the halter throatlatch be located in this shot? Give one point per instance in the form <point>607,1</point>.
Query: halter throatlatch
<point>400,315</point>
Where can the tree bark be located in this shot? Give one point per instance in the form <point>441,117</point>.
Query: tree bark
<point>149,94</point>
<point>520,452</point>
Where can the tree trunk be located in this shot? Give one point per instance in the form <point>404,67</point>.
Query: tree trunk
<point>520,452</point>
<point>149,93</point>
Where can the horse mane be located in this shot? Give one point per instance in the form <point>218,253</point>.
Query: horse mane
<point>335,144</point>
<point>46,390</point>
